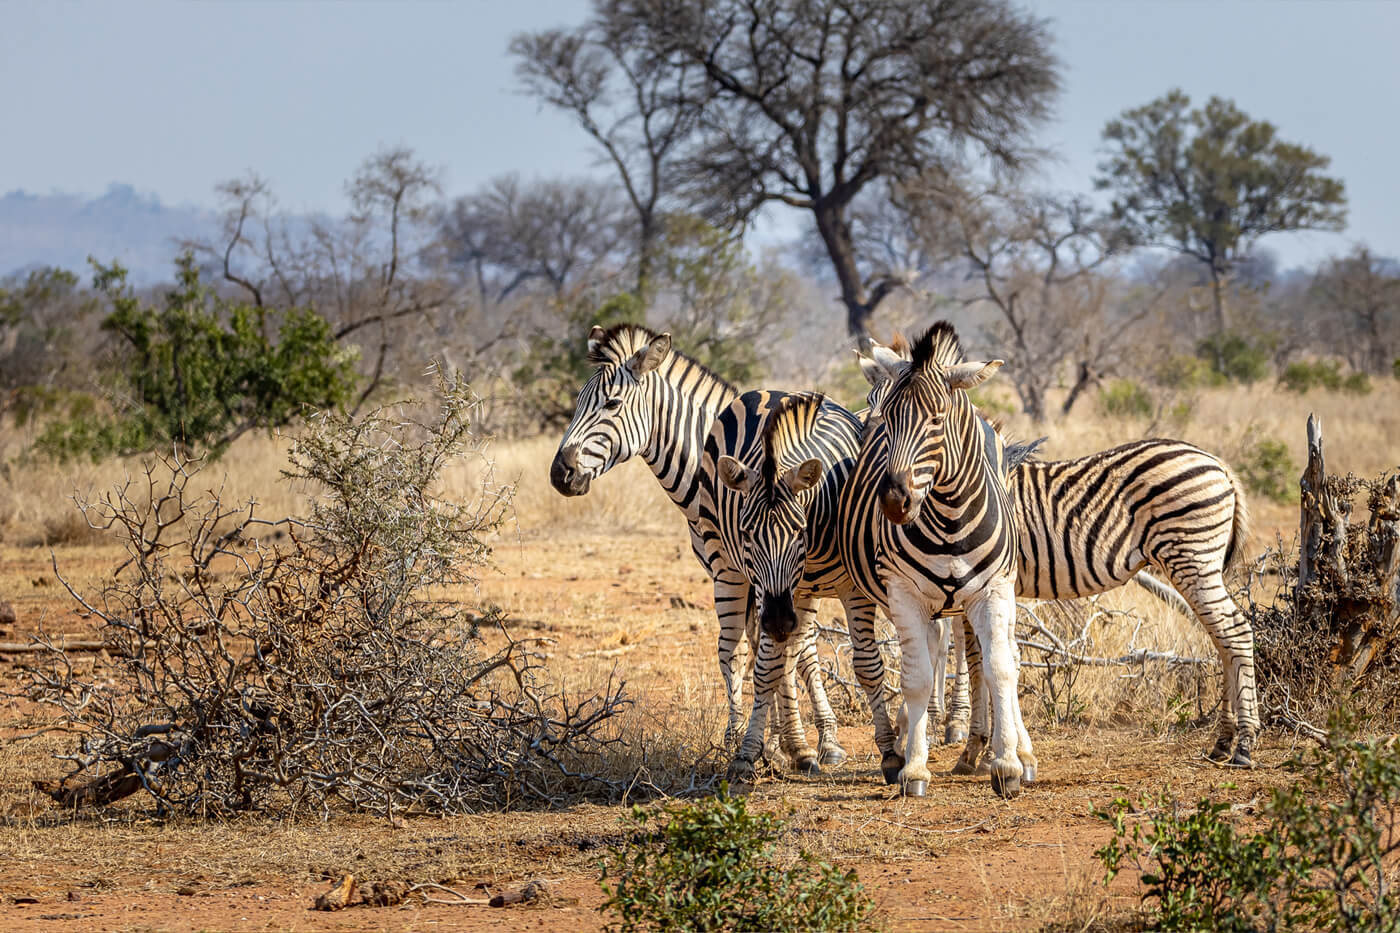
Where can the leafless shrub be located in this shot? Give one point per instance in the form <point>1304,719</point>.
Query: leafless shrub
<point>323,662</point>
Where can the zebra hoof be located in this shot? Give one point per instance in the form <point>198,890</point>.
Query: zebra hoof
<point>1218,755</point>
<point>1028,774</point>
<point>954,735</point>
<point>833,757</point>
<point>963,766</point>
<point>915,788</point>
<point>741,771</point>
<point>890,766</point>
<point>1242,758</point>
<point>808,766</point>
<point>1006,785</point>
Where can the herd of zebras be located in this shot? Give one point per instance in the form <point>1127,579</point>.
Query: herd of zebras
<point>916,506</point>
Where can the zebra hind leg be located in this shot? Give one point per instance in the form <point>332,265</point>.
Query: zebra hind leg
<point>965,642</point>
<point>959,701</point>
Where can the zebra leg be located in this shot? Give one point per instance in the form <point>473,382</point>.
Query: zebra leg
<point>959,704</point>
<point>732,608</point>
<point>910,617</point>
<point>1024,750</point>
<point>829,751</point>
<point>992,613</point>
<point>870,671</point>
<point>937,633</point>
<point>770,661</point>
<point>1234,641</point>
<point>966,644</point>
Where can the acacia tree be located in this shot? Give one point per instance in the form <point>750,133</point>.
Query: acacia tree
<point>810,102</point>
<point>638,107</point>
<point>1209,182</point>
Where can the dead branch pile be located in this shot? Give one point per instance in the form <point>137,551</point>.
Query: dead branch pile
<point>317,663</point>
<point>1331,632</point>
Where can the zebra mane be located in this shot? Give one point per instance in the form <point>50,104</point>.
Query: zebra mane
<point>797,411</point>
<point>939,346</point>
<point>620,341</point>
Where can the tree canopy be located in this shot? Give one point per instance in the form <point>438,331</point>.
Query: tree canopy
<point>1209,182</point>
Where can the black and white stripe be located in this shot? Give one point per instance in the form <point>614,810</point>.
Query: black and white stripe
<point>926,527</point>
<point>1093,523</point>
<point>644,399</point>
<point>776,511</point>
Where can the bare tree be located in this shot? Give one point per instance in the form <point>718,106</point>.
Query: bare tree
<point>560,232</point>
<point>1038,261</point>
<point>638,107</point>
<point>361,272</point>
<point>1365,289</point>
<point>812,101</point>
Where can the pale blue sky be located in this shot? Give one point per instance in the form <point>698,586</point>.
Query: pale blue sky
<point>173,97</point>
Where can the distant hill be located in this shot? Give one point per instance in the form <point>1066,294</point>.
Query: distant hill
<point>124,224</point>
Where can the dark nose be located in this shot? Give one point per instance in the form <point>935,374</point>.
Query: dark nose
<point>778,616</point>
<point>897,499</point>
<point>564,475</point>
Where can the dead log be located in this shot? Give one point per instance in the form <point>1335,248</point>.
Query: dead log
<point>96,793</point>
<point>1323,521</point>
<point>63,644</point>
<point>340,896</point>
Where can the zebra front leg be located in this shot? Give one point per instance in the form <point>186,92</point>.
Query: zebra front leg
<point>732,607</point>
<point>830,754</point>
<point>869,666</point>
<point>960,702</point>
<point>937,633</point>
<point>910,617</point>
<point>992,614</point>
<point>770,662</point>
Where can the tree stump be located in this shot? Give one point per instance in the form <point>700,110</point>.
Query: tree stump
<point>1348,578</point>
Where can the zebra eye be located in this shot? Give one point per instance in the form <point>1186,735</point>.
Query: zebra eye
<point>612,404</point>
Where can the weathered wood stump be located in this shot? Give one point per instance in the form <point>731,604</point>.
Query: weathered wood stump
<point>1348,577</point>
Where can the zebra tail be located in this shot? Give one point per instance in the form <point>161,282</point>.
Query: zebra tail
<point>1239,530</point>
<point>1163,591</point>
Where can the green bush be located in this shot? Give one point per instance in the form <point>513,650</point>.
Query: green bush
<point>992,405</point>
<point>1395,367</point>
<point>199,372</point>
<point>1268,470</point>
<point>1318,862</point>
<point>1357,383</point>
<point>1186,372</point>
<point>1303,376</point>
<point>1236,357</point>
<point>710,866</point>
<point>1125,399</point>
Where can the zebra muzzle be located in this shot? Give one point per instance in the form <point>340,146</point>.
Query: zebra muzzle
<point>778,617</point>
<point>565,476</point>
<point>898,500</point>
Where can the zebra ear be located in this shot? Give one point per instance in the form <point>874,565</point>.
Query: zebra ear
<point>888,360</point>
<point>969,375</point>
<point>595,336</point>
<point>650,356</point>
<point>734,474</point>
<point>874,373</point>
<point>803,476</point>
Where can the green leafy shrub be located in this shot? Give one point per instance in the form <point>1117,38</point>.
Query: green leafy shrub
<point>1124,398</point>
<point>991,404</point>
<point>1319,861</point>
<point>1304,376</point>
<point>1357,383</point>
<point>1268,470</point>
<point>710,865</point>
<point>1186,372</point>
<point>1236,357</point>
<point>199,372</point>
<point>1395,367</point>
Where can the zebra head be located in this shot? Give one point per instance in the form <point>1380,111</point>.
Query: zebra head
<point>915,408</point>
<point>772,534</point>
<point>613,415</point>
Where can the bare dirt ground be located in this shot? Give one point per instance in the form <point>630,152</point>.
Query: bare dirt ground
<point>635,605</point>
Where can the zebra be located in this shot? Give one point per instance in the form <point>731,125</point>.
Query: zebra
<point>1091,524</point>
<point>775,506</point>
<point>646,399</point>
<point>947,540</point>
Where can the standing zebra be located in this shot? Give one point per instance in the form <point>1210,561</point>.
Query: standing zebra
<point>646,399</point>
<point>775,510</point>
<point>1093,523</point>
<point>947,540</point>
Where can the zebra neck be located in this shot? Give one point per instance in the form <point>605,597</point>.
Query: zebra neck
<point>685,403</point>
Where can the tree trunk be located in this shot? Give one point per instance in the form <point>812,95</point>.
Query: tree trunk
<point>1082,381</point>
<point>646,250</point>
<point>836,235</point>
<point>1218,282</point>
